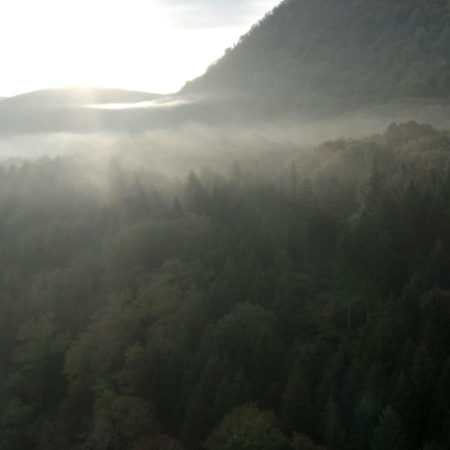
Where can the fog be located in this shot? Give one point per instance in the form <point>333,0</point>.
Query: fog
<point>163,103</point>
<point>170,135</point>
<point>260,260</point>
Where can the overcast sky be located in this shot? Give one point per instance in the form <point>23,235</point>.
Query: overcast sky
<point>151,45</point>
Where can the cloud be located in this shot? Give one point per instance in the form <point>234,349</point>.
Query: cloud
<point>200,14</point>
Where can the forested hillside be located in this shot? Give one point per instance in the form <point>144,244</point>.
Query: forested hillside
<point>301,308</point>
<point>354,63</point>
<point>326,56</point>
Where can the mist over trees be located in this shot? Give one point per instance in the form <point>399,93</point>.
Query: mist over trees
<point>302,308</point>
<point>221,271</point>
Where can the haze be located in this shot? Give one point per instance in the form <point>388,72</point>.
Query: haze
<point>258,260</point>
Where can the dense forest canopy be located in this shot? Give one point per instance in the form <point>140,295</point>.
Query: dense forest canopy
<point>199,273</point>
<point>330,56</point>
<point>301,308</point>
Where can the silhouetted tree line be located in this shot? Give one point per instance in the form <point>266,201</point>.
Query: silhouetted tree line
<point>304,308</point>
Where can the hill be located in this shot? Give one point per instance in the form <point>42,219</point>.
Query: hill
<point>351,67</point>
<point>78,96</point>
<point>71,110</point>
<point>327,57</point>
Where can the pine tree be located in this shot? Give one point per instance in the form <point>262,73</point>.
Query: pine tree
<point>388,434</point>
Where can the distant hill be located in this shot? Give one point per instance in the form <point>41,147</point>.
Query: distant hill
<point>328,56</point>
<point>71,110</point>
<point>79,96</point>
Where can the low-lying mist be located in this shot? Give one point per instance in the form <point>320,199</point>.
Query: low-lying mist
<point>194,143</point>
<point>164,156</point>
<point>124,276</point>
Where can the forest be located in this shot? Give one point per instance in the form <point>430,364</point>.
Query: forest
<point>287,300</point>
<point>320,58</point>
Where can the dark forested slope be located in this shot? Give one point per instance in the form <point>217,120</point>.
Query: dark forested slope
<point>302,308</point>
<point>327,56</point>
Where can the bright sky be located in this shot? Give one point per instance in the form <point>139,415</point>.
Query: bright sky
<point>150,45</point>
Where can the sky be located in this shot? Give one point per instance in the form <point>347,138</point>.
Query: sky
<point>150,45</point>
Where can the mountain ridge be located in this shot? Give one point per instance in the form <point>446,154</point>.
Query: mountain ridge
<point>304,61</point>
<point>76,95</point>
<point>331,57</point>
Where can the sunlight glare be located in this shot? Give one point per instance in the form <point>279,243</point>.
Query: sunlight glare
<point>134,44</point>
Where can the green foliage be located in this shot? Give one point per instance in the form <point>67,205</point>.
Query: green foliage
<point>318,291</point>
<point>388,434</point>
<point>15,422</point>
<point>247,428</point>
<point>324,57</point>
<point>120,422</point>
<point>332,427</point>
<point>297,408</point>
<point>302,442</point>
<point>38,357</point>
